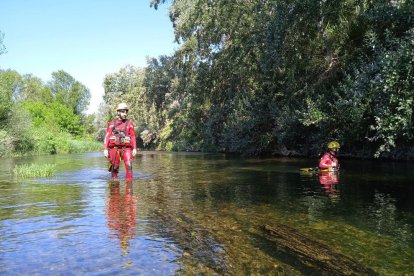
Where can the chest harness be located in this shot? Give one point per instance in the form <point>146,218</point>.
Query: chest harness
<point>119,137</point>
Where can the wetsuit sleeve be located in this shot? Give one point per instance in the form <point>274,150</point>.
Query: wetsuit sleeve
<point>107,135</point>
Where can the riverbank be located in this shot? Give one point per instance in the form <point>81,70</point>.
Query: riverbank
<point>54,146</point>
<point>400,154</point>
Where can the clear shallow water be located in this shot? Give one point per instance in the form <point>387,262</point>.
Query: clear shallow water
<point>190,213</point>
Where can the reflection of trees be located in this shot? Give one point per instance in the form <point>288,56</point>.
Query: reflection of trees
<point>213,210</point>
<point>383,214</point>
<point>187,203</point>
<point>383,211</point>
<point>121,212</point>
<point>174,216</point>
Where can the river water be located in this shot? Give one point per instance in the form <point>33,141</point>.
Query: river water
<point>194,213</point>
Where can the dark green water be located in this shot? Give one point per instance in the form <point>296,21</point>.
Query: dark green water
<point>187,214</point>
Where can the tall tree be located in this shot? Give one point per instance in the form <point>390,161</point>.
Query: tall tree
<point>125,86</point>
<point>263,74</point>
<point>10,84</point>
<point>34,89</point>
<point>70,92</point>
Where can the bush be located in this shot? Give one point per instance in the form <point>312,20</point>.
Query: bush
<point>47,141</point>
<point>77,146</point>
<point>6,143</point>
<point>54,114</point>
<point>19,126</point>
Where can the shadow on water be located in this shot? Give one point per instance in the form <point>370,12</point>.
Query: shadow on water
<point>194,213</point>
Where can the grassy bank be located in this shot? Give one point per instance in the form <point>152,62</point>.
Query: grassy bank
<point>42,141</point>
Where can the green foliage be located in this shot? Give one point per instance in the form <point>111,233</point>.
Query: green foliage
<point>51,142</point>
<point>79,146</point>
<point>34,89</point>
<point>55,116</point>
<point>38,118</point>
<point>378,94</point>
<point>19,126</point>
<point>6,143</point>
<point>10,82</point>
<point>165,135</point>
<point>34,121</point>
<point>394,91</point>
<point>258,77</point>
<point>69,92</point>
<point>34,170</point>
<point>46,141</point>
<point>124,86</point>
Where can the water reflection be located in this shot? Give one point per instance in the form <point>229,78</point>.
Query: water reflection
<point>197,213</point>
<point>121,212</point>
<point>382,214</point>
<point>329,182</point>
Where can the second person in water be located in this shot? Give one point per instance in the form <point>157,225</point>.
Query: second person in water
<point>329,161</point>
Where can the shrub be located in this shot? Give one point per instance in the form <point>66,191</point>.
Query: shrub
<point>6,143</point>
<point>77,146</point>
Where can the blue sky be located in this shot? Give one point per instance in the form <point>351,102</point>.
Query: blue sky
<point>86,38</point>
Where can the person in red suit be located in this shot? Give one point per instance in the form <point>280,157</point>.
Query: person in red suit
<point>329,161</point>
<point>329,169</point>
<point>120,142</point>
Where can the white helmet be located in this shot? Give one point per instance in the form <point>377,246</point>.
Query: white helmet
<point>122,106</point>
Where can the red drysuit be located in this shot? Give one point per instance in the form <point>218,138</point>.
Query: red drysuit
<point>120,141</point>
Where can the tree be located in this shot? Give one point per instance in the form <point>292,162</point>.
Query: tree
<point>10,84</point>
<point>257,76</point>
<point>125,86</point>
<point>33,88</point>
<point>69,92</point>
<point>54,116</point>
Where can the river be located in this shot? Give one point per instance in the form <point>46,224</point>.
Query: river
<point>195,213</point>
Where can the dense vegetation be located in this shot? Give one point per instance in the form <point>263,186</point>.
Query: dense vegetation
<point>38,118</point>
<point>279,77</point>
<point>253,77</point>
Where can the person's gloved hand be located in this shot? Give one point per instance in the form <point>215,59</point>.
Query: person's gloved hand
<point>106,153</point>
<point>134,152</point>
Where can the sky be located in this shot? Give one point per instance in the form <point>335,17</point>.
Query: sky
<point>85,38</point>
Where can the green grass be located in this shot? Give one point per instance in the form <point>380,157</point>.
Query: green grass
<point>34,170</point>
<point>79,146</point>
